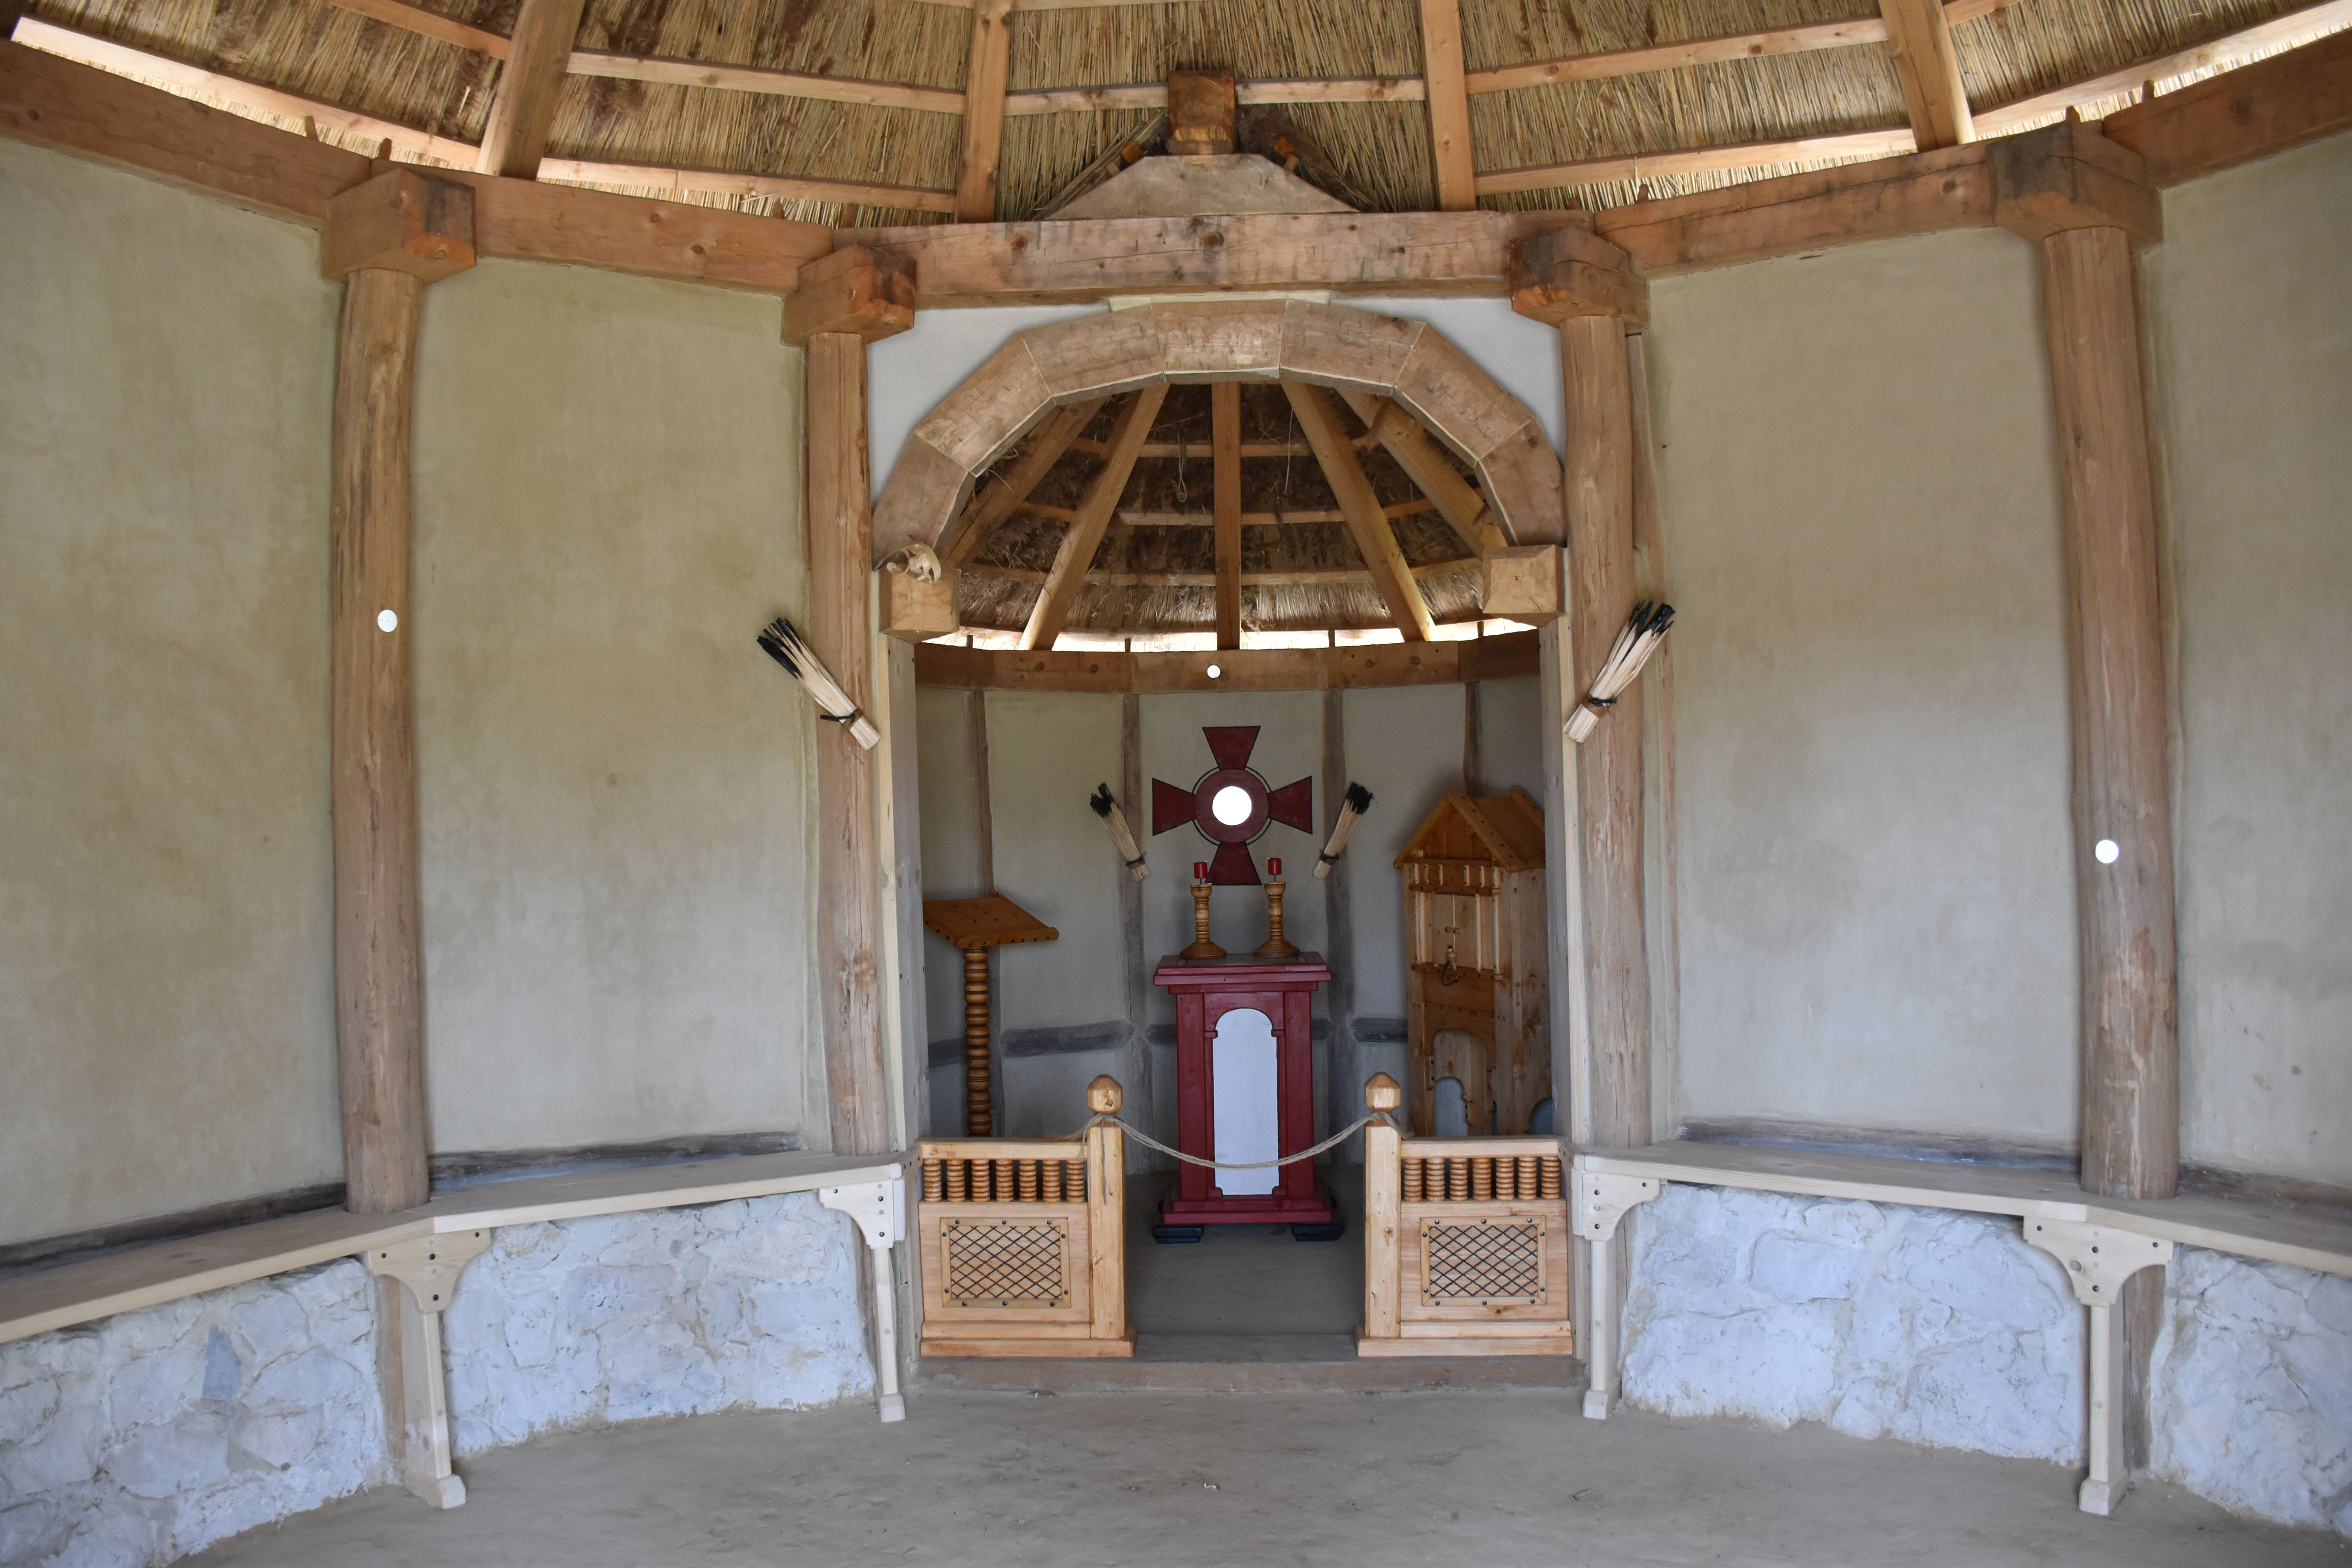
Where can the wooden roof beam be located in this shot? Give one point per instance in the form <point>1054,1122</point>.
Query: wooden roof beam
<point>523,106</point>
<point>1424,462</point>
<point>1084,536</point>
<point>1318,416</point>
<point>1010,492</point>
<point>1350,666</point>
<point>1225,441</point>
<point>983,110</point>
<point>1929,70</point>
<point>1443,80</point>
<point>850,291</point>
<point>2265,108</point>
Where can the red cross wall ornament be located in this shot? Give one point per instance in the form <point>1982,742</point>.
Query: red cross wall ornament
<point>1232,805</point>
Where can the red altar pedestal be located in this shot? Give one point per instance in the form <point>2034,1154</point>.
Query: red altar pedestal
<point>1284,990</point>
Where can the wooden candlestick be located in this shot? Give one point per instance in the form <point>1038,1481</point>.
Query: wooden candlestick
<point>1274,946</point>
<point>1202,947</point>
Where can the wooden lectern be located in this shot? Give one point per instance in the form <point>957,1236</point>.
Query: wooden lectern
<point>973,925</point>
<point>1205,991</point>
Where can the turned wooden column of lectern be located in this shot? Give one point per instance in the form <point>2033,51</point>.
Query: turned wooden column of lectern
<point>973,925</point>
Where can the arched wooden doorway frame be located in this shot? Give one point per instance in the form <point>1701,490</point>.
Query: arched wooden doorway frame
<point>1192,341</point>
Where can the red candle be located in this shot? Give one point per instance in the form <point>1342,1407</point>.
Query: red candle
<point>1199,871</point>
<point>1273,868</point>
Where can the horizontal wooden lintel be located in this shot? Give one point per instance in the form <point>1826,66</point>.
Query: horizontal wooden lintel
<point>1363,664</point>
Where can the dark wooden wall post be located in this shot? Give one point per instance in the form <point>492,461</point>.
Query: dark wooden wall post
<point>844,302</point>
<point>2086,202</point>
<point>386,239</point>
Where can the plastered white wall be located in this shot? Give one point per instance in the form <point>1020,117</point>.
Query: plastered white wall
<point>616,784</point>
<point>1404,745</point>
<point>1047,753</point>
<point>2252,334</point>
<point>166,974</point>
<point>1863,534</point>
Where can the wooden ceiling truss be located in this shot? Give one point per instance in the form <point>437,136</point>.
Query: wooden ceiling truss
<point>1917,33</point>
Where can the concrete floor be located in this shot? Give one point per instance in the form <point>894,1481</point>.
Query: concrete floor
<point>1426,1480</point>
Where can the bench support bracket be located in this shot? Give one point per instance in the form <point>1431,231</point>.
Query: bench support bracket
<point>2098,1258</point>
<point>425,1269</point>
<point>1597,1201</point>
<point>880,1209</point>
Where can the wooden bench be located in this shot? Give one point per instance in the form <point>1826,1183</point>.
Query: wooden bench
<point>427,1249</point>
<point>2101,1241</point>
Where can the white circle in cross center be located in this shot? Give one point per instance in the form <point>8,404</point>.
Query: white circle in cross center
<point>1230,805</point>
<point>2108,852</point>
<point>385,620</point>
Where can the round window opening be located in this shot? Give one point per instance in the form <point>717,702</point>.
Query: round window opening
<point>1230,805</point>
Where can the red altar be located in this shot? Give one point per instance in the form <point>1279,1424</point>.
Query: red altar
<point>1283,989</point>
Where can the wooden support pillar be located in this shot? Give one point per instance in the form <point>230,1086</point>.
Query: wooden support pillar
<point>1587,289</point>
<point>387,240</point>
<point>2086,202</point>
<point>846,300</point>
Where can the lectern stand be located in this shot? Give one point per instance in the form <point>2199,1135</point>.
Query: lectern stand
<point>1284,990</point>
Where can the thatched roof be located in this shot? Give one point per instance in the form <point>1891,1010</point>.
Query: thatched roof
<point>1154,572</point>
<point>1374,154</point>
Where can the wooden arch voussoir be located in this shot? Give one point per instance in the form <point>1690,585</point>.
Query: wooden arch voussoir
<point>1211,341</point>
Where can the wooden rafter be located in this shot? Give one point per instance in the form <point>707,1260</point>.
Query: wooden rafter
<point>1719,49</point>
<point>983,110</point>
<point>1929,70</point>
<point>1878,143</point>
<point>1225,441</point>
<point>428,24</point>
<point>1425,464</point>
<point>1129,519</point>
<point>1012,488</point>
<point>522,107</point>
<point>1449,104</point>
<point>1303,577</point>
<point>1318,416</point>
<point>1085,534</point>
<point>752,79</point>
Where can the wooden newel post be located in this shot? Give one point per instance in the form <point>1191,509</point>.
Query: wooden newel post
<point>2086,203</point>
<point>1383,1205</point>
<point>1107,1211</point>
<point>845,301</point>
<point>386,239</point>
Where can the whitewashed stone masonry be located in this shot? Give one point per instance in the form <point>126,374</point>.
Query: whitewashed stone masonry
<point>750,1305</point>
<point>1935,1327</point>
<point>150,1435</point>
<point>2251,1395</point>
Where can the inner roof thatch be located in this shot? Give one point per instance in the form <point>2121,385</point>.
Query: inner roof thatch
<point>1379,153</point>
<point>1163,530</point>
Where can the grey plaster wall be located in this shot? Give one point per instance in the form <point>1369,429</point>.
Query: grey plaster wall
<point>616,784</point>
<point>1862,522</point>
<point>2252,334</point>
<point>166,981</point>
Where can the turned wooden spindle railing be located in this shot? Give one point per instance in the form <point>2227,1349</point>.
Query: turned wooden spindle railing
<point>1465,1242</point>
<point>1023,1250</point>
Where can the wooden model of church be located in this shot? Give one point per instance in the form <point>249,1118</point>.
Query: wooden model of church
<point>1476,980</point>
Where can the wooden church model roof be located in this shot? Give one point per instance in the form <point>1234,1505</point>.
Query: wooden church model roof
<point>1506,831</point>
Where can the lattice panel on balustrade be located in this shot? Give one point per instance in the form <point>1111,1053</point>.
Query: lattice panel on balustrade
<point>1006,1262</point>
<point>1484,1262</point>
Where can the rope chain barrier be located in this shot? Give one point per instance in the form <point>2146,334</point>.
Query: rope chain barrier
<point>1148,1141</point>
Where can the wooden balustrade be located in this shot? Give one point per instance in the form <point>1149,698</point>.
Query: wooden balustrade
<point>1465,1243</point>
<point>1023,1242</point>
